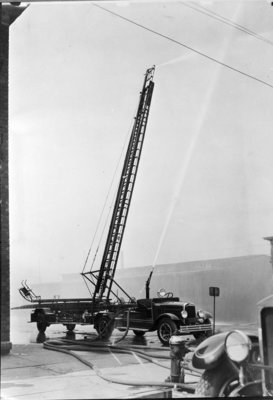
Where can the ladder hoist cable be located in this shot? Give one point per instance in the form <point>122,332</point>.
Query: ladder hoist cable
<point>104,206</point>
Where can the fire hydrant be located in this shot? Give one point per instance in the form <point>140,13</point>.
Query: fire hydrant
<point>178,350</point>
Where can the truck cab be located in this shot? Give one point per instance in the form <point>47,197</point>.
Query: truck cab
<point>166,314</point>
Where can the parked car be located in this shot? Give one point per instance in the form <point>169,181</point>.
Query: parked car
<point>238,363</point>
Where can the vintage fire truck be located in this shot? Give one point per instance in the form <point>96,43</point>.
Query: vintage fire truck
<point>165,313</point>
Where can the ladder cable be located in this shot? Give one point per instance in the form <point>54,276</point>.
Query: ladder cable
<point>104,205</point>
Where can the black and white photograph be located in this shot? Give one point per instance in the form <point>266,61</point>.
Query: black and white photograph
<point>136,199</point>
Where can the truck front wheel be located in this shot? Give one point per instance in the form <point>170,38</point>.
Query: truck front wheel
<point>165,329</point>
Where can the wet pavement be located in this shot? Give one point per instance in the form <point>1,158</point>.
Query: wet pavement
<point>33,372</point>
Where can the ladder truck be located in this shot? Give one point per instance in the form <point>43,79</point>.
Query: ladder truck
<point>104,277</point>
<point>165,314</point>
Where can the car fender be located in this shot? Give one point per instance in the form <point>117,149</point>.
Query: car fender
<point>209,353</point>
<point>248,390</point>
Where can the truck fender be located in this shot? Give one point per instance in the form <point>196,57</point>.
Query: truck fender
<point>173,317</point>
<point>42,315</point>
<point>209,353</point>
<point>99,315</point>
<point>45,310</point>
<point>207,314</point>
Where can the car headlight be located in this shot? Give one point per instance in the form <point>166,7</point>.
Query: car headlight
<point>184,314</point>
<point>238,346</point>
<point>201,314</point>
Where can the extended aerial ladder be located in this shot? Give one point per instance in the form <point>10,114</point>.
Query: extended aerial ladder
<point>104,276</point>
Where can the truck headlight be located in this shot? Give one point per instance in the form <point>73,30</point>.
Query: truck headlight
<point>184,314</point>
<point>238,346</point>
<point>201,314</point>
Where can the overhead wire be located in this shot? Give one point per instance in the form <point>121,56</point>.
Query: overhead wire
<point>226,21</point>
<point>185,46</point>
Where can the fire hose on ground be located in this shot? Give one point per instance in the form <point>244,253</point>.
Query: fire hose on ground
<point>70,346</point>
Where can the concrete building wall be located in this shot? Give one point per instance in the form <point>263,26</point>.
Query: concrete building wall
<point>243,281</point>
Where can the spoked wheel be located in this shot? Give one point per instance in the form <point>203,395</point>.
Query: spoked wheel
<point>105,327</point>
<point>139,333</point>
<point>165,330</point>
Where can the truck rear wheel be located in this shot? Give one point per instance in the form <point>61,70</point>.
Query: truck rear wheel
<point>165,329</point>
<point>41,326</point>
<point>139,333</point>
<point>104,327</point>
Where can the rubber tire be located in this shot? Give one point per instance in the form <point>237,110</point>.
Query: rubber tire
<point>197,335</point>
<point>168,325</point>
<point>216,382</point>
<point>139,333</point>
<point>70,327</point>
<point>41,326</point>
<point>105,327</point>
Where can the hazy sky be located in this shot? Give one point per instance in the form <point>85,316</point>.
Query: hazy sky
<point>204,188</point>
